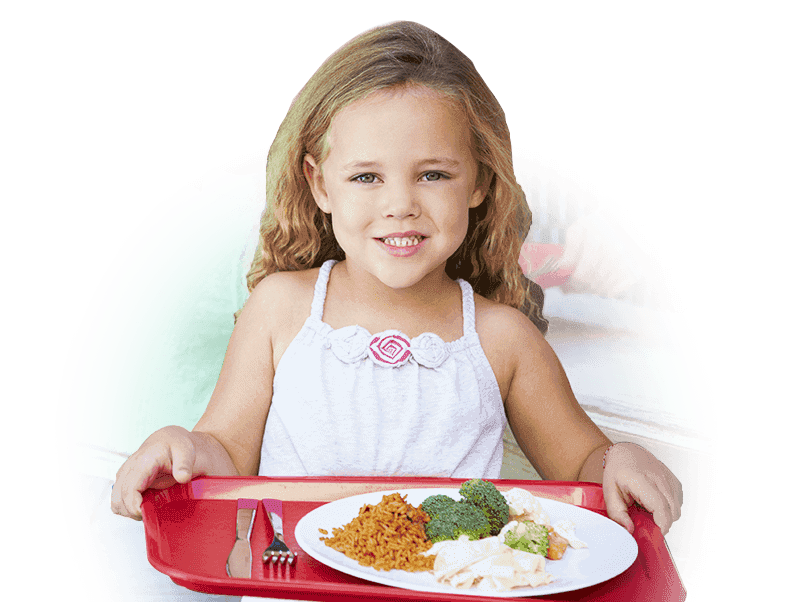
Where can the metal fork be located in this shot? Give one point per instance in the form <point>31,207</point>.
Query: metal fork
<point>277,551</point>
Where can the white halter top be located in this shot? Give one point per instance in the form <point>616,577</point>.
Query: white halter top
<point>350,403</point>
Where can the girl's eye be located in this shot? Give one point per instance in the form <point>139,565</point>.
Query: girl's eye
<point>369,178</point>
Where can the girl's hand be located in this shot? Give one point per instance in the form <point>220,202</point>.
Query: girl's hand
<point>632,474</point>
<point>167,457</point>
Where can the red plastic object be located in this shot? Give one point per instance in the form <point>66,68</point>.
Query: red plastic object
<point>537,252</point>
<point>189,530</point>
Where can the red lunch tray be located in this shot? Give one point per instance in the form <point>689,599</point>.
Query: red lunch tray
<point>189,530</point>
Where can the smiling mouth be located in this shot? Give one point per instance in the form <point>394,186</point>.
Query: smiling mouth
<point>404,241</point>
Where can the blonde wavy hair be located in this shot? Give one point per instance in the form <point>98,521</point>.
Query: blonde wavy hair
<point>296,235</point>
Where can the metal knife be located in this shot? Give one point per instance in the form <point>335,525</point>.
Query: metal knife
<point>239,563</point>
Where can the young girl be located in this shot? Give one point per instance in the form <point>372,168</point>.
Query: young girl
<point>383,335</point>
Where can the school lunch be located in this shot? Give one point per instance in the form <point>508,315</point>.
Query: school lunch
<point>488,539</point>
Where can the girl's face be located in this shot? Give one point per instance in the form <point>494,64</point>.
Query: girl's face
<point>399,180</point>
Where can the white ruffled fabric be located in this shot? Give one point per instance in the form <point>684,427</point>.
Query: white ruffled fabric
<point>390,348</point>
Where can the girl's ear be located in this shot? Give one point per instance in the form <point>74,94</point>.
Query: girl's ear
<point>316,183</point>
<point>482,182</point>
<point>477,196</point>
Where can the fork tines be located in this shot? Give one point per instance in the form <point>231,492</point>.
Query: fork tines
<point>276,556</point>
<point>278,551</point>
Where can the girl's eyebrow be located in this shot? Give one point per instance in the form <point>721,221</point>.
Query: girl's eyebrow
<point>432,162</point>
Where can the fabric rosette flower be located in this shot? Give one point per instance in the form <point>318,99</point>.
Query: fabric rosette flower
<point>390,348</point>
<point>350,343</point>
<point>429,350</point>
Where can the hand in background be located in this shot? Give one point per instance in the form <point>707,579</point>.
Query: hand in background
<point>603,259</point>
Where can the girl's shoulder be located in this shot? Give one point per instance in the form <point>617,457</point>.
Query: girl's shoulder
<point>283,294</point>
<point>506,336</point>
<point>495,320</point>
<point>277,308</point>
<point>280,283</point>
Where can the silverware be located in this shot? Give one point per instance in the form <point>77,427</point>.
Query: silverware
<point>239,563</point>
<point>277,551</point>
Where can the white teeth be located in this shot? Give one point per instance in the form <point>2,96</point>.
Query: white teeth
<point>403,242</point>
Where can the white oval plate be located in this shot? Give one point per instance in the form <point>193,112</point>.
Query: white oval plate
<point>611,548</point>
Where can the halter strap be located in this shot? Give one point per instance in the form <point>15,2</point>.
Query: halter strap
<point>321,291</point>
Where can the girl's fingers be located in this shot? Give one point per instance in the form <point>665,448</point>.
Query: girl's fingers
<point>167,456</point>
<point>616,499</point>
<point>134,477</point>
<point>133,506</point>
<point>632,474</point>
<point>159,466</point>
<point>662,513</point>
<point>617,508</point>
<point>123,496</point>
<point>651,496</point>
<point>182,458</point>
<point>670,489</point>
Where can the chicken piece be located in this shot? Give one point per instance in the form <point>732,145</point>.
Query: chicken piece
<point>566,528</point>
<point>557,546</point>
<point>523,505</point>
<point>487,565</point>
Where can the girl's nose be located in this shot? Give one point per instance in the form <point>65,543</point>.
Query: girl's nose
<point>400,203</point>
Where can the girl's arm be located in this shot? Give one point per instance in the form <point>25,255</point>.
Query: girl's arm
<point>560,440</point>
<point>227,439</point>
<point>552,429</point>
<point>238,408</point>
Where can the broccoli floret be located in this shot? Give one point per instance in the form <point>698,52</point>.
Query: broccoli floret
<point>436,504</point>
<point>457,519</point>
<point>528,537</point>
<point>489,500</point>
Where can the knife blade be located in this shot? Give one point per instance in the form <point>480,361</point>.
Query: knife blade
<point>239,563</point>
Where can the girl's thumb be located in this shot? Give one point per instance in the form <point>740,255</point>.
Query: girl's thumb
<point>182,474</point>
<point>182,463</point>
<point>617,511</point>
